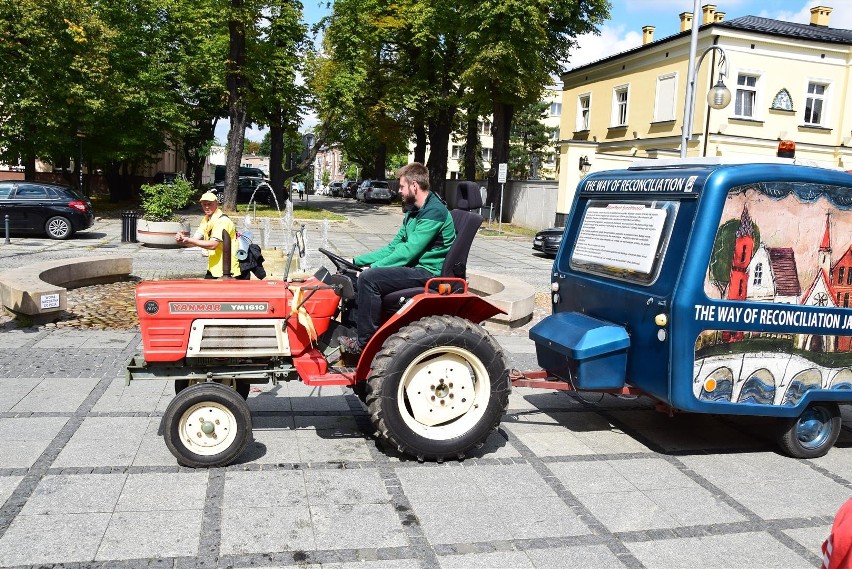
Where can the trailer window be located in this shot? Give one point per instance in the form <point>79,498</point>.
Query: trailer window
<point>626,240</point>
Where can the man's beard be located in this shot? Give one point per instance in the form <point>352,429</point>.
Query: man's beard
<point>409,199</point>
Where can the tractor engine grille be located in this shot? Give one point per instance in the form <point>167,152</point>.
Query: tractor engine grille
<point>238,337</point>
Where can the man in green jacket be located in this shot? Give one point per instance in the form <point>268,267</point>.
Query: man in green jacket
<point>415,255</point>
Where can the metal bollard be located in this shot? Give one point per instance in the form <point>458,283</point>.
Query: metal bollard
<point>7,230</point>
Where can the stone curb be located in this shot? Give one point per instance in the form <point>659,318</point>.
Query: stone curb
<point>515,297</point>
<point>41,288</point>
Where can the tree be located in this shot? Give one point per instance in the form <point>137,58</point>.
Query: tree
<point>514,48</point>
<point>250,146</point>
<point>278,99</point>
<point>56,55</point>
<point>529,139</point>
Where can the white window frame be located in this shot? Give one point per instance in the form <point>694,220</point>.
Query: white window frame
<point>664,110</point>
<point>487,154</point>
<point>584,120</point>
<point>455,152</point>
<point>746,88</point>
<point>555,109</point>
<point>812,96</point>
<point>620,108</point>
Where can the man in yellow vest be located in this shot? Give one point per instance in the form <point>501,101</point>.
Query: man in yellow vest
<point>214,227</point>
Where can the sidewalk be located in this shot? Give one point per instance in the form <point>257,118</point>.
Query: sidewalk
<point>565,482</point>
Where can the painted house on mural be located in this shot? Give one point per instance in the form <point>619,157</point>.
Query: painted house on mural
<point>788,81</point>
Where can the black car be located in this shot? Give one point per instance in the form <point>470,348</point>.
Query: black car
<point>350,189</point>
<point>36,207</point>
<point>219,173</point>
<point>548,240</point>
<point>247,186</point>
<point>166,177</point>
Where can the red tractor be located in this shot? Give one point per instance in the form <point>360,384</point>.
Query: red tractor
<point>436,384</point>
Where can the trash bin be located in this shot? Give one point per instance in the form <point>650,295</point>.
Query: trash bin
<point>128,226</point>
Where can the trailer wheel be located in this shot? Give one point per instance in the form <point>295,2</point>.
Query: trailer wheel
<point>206,425</point>
<point>242,387</point>
<point>813,433</point>
<point>438,388</point>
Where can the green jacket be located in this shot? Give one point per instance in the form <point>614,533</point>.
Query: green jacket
<point>423,240</point>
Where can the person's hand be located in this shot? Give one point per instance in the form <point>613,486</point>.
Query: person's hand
<point>180,237</point>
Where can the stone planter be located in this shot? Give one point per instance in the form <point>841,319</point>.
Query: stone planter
<point>160,233</point>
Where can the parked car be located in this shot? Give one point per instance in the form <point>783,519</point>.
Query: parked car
<point>166,177</point>
<point>247,186</point>
<point>219,173</point>
<point>336,189</point>
<point>373,191</point>
<point>548,240</point>
<point>35,207</point>
<point>350,189</point>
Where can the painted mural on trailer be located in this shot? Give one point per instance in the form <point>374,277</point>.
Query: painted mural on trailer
<point>785,244</point>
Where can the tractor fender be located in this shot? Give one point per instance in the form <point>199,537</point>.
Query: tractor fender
<point>466,305</point>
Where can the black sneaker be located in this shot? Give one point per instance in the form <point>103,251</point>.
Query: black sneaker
<point>349,345</point>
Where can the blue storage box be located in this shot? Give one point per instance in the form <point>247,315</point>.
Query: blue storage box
<point>594,349</point>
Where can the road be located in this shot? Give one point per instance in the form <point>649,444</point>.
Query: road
<point>566,481</point>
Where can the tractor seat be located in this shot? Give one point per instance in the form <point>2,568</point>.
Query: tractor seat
<point>455,265</point>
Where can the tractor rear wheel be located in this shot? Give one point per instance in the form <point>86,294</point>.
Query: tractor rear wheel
<point>438,388</point>
<point>206,425</point>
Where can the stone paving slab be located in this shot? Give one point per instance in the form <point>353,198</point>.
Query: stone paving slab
<point>566,481</point>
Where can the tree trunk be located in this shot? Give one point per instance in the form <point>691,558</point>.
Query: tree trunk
<point>380,161</point>
<point>471,145</point>
<point>500,129</point>
<point>276,161</point>
<point>420,143</point>
<point>29,167</point>
<point>440,129</point>
<point>192,144</point>
<point>237,87</point>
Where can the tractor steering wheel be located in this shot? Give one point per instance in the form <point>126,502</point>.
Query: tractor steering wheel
<point>339,262</point>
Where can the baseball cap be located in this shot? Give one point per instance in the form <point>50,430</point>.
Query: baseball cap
<point>208,197</point>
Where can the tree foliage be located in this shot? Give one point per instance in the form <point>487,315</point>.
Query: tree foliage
<point>137,77</point>
<point>397,71</point>
<point>528,140</point>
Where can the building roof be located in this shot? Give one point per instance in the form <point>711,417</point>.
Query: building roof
<point>783,262</point>
<point>789,29</point>
<point>749,24</point>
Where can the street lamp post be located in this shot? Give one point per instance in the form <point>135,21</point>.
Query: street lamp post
<point>308,141</point>
<point>718,97</point>
<point>81,134</point>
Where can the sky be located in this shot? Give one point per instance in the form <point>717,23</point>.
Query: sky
<point>623,31</point>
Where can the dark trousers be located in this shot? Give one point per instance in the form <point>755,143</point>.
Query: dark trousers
<point>244,276</point>
<point>372,285</point>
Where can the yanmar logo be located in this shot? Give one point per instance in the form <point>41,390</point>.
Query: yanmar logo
<point>195,307</point>
<point>218,307</point>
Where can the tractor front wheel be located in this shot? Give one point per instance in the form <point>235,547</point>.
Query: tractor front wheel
<point>438,388</point>
<point>207,425</point>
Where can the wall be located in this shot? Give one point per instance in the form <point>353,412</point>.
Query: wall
<point>528,203</point>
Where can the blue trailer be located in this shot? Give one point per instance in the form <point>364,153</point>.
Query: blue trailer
<point>711,287</point>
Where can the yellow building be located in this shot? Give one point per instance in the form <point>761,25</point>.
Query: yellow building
<point>787,81</point>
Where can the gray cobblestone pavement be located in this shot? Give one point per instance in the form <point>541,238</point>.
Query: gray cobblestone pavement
<point>593,481</point>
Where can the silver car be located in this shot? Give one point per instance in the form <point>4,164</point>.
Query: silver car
<point>373,191</point>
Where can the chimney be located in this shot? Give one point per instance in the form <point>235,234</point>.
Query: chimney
<point>719,17</point>
<point>685,21</point>
<point>709,11</point>
<point>647,34</point>
<point>819,15</point>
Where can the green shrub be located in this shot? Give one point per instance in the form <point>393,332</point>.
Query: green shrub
<point>160,202</point>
